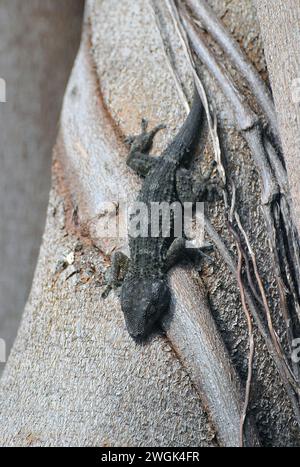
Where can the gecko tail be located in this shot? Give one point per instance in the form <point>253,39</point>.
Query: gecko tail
<point>184,144</point>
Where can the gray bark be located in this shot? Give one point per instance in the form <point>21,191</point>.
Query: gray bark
<point>279,22</point>
<point>39,40</point>
<point>74,374</point>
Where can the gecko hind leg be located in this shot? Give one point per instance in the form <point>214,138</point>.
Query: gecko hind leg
<point>139,158</point>
<point>204,189</point>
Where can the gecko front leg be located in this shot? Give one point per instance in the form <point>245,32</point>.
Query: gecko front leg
<point>178,251</point>
<point>117,272</point>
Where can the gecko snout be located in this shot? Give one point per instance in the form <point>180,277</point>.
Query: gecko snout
<point>143,302</point>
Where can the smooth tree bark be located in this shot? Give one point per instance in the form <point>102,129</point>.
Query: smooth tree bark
<point>74,376</point>
<point>39,41</point>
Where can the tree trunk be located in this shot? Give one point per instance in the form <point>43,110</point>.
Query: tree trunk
<point>39,40</point>
<point>74,376</point>
<point>279,23</point>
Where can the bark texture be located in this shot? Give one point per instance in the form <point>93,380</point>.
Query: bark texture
<point>279,22</point>
<point>74,374</point>
<point>39,40</point>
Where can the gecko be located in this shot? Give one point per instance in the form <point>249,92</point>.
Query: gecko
<point>145,293</point>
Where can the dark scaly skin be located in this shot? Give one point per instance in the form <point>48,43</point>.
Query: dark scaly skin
<point>145,294</point>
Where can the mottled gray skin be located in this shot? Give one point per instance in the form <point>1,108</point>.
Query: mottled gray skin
<point>145,294</point>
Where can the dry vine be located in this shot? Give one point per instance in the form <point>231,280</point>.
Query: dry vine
<point>274,198</point>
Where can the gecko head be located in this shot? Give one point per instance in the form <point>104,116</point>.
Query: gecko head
<point>143,301</point>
